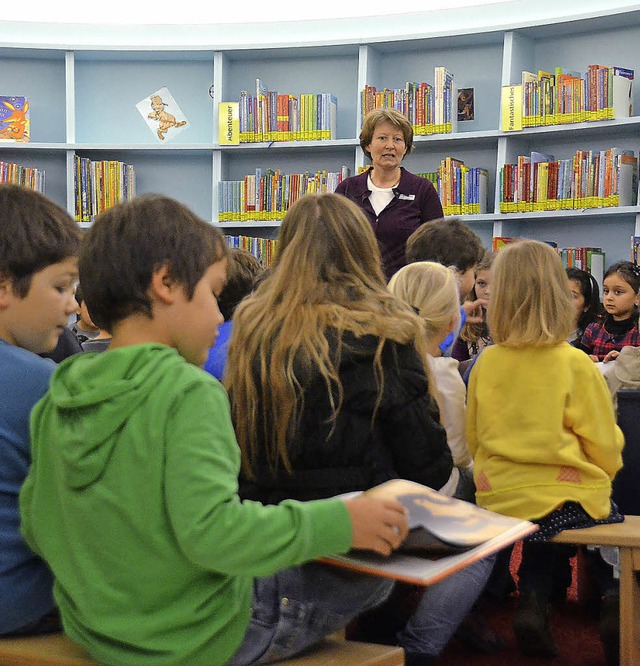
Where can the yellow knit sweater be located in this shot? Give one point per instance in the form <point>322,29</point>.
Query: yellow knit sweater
<point>542,431</point>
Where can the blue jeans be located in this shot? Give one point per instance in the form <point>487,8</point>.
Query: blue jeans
<point>298,607</point>
<point>443,607</point>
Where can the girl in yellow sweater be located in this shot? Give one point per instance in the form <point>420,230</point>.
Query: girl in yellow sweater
<point>540,425</point>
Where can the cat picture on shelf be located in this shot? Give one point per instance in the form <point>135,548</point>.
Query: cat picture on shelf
<point>162,114</point>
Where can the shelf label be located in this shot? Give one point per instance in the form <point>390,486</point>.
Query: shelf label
<point>229,124</point>
<point>511,108</point>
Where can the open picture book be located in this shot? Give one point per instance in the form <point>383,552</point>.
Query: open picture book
<point>445,535</point>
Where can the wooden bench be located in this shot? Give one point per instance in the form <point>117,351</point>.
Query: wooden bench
<point>58,650</point>
<point>626,536</point>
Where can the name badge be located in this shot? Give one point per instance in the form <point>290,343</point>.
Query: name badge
<point>407,197</point>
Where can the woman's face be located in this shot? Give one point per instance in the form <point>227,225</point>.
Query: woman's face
<point>578,298</point>
<point>387,146</point>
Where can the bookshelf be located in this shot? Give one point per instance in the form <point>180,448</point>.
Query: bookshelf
<point>83,99</point>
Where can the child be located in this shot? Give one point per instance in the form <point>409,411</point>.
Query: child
<point>450,242</point>
<point>84,328</point>
<point>604,339</point>
<point>329,389</point>
<point>586,299</point>
<point>432,290</point>
<point>474,337</point>
<point>38,272</point>
<point>540,425</point>
<point>242,273</point>
<point>131,497</point>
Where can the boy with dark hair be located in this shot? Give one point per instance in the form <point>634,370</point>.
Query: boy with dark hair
<point>132,495</point>
<point>83,328</point>
<point>243,270</point>
<point>38,272</point>
<point>450,242</point>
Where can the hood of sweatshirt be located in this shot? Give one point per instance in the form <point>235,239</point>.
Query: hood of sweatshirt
<point>93,395</point>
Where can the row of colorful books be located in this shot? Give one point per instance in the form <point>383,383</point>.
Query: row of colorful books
<point>267,195</point>
<point>264,249</point>
<point>100,185</point>
<point>590,259</point>
<point>601,93</point>
<point>431,109</point>
<point>463,190</point>
<point>21,175</point>
<point>590,179</point>
<point>635,249</point>
<point>273,116</point>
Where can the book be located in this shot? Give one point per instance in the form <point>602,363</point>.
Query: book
<point>445,535</point>
<point>15,123</point>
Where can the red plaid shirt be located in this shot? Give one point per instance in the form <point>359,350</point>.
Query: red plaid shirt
<point>601,337</point>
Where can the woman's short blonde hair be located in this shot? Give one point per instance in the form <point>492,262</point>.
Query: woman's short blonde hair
<point>431,289</point>
<point>531,304</point>
<point>377,116</point>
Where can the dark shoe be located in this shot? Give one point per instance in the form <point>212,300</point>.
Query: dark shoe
<point>418,659</point>
<point>476,634</point>
<point>532,628</point>
<point>610,628</point>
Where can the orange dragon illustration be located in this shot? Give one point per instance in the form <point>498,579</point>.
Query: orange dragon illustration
<point>16,126</point>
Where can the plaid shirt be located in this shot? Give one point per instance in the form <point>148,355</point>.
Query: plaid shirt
<point>599,341</point>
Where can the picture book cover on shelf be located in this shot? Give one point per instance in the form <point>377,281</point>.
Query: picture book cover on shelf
<point>466,104</point>
<point>15,124</point>
<point>162,114</point>
<point>446,535</point>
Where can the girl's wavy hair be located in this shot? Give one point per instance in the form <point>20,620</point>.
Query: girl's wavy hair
<point>531,303</point>
<point>327,279</point>
<point>432,291</point>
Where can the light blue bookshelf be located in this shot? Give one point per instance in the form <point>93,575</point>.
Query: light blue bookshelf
<point>83,98</point>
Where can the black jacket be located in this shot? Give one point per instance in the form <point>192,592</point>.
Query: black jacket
<point>354,452</point>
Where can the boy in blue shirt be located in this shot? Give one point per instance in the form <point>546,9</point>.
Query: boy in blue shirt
<point>132,494</point>
<point>38,272</point>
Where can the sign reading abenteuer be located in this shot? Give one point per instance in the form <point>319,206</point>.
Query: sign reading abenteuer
<point>228,124</point>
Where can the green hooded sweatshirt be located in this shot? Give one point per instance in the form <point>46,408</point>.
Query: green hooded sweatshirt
<point>132,500</point>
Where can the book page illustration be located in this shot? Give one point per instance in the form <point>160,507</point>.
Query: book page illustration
<point>446,535</point>
<point>162,114</point>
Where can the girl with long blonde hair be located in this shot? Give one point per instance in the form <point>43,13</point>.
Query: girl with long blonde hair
<point>431,290</point>
<point>540,426</point>
<point>329,389</point>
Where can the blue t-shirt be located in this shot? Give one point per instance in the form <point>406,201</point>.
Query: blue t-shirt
<point>25,580</point>
<point>217,360</point>
<point>447,343</point>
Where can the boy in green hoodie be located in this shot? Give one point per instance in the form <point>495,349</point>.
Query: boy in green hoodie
<point>132,494</point>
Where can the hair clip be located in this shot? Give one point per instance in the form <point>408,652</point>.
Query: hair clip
<point>635,269</point>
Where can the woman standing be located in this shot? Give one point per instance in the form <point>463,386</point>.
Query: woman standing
<point>396,201</point>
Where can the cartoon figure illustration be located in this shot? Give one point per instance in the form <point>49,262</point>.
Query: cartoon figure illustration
<point>165,119</point>
<point>16,126</point>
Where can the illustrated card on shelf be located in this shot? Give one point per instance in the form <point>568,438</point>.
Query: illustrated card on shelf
<point>466,104</point>
<point>162,114</point>
<point>15,124</point>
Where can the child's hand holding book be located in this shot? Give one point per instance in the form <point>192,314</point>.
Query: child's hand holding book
<point>380,525</point>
